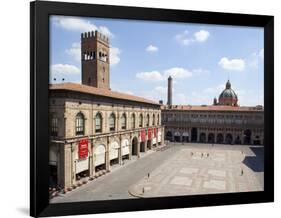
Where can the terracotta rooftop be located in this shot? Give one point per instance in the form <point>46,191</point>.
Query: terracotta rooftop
<point>212,108</point>
<point>99,91</point>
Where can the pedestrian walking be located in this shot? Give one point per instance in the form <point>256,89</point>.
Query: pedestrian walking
<point>148,175</point>
<point>201,155</point>
<point>207,154</point>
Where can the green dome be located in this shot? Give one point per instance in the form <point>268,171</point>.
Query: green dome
<point>228,91</point>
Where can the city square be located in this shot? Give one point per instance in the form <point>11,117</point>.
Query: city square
<point>178,169</point>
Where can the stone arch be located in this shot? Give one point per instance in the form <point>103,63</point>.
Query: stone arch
<point>194,134</point>
<point>177,136</point>
<point>202,137</point>
<point>211,138</point>
<point>237,140</point>
<point>247,136</point>
<point>228,138</point>
<point>220,138</point>
<point>185,137</point>
<point>169,135</point>
<point>135,146</point>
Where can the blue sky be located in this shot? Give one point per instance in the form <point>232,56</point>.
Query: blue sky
<point>199,57</point>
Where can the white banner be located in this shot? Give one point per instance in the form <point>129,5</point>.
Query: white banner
<point>99,155</point>
<point>82,165</point>
<point>154,141</point>
<point>125,147</point>
<point>113,150</point>
<point>159,136</point>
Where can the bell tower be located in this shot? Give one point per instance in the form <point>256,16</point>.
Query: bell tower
<point>95,59</point>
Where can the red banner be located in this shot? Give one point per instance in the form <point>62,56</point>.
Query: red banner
<point>149,133</point>
<point>83,148</point>
<point>142,134</point>
<point>155,132</point>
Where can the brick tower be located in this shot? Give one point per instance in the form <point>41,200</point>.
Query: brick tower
<point>95,59</point>
<point>170,94</point>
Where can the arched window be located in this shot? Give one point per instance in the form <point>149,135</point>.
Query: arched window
<point>158,119</point>
<point>123,121</point>
<point>153,120</point>
<point>98,122</point>
<point>133,121</point>
<point>112,122</point>
<point>140,120</point>
<point>80,124</point>
<point>147,120</point>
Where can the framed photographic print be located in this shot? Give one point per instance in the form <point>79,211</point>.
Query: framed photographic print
<point>142,109</point>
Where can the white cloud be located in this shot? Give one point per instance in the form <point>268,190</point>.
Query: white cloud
<point>155,76</point>
<point>216,90</point>
<point>256,59</point>
<point>75,51</point>
<point>161,90</point>
<point>80,25</point>
<point>150,76</point>
<point>201,36</point>
<point>200,72</point>
<point>66,69</point>
<point>177,73</point>
<point>151,48</point>
<point>114,55</point>
<point>232,64</point>
<point>185,38</point>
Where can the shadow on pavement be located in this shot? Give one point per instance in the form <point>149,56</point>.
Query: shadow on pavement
<point>256,163</point>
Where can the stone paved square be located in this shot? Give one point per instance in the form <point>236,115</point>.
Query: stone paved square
<point>189,170</point>
<point>215,184</point>
<point>175,171</point>
<point>219,173</point>
<point>179,180</point>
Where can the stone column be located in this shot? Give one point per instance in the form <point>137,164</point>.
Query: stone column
<point>162,136</point>
<point>130,147</point>
<point>107,160</point>
<point>138,149</point>
<point>68,166</point>
<point>91,158</point>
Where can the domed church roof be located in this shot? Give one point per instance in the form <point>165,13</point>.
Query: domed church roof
<point>228,96</point>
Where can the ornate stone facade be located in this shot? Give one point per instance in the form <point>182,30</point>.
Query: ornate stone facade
<point>112,127</point>
<point>214,124</point>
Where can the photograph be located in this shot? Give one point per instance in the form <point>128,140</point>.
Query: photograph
<point>152,109</point>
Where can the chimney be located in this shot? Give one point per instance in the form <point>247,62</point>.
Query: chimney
<point>170,94</point>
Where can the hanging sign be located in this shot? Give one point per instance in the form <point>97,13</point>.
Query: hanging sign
<point>155,132</point>
<point>83,148</point>
<point>149,133</point>
<point>142,134</point>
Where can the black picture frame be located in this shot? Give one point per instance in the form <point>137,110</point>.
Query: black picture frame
<point>39,80</point>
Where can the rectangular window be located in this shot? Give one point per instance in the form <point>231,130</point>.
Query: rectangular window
<point>54,126</point>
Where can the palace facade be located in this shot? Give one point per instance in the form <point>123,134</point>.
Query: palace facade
<point>224,122</point>
<point>93,128</point>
